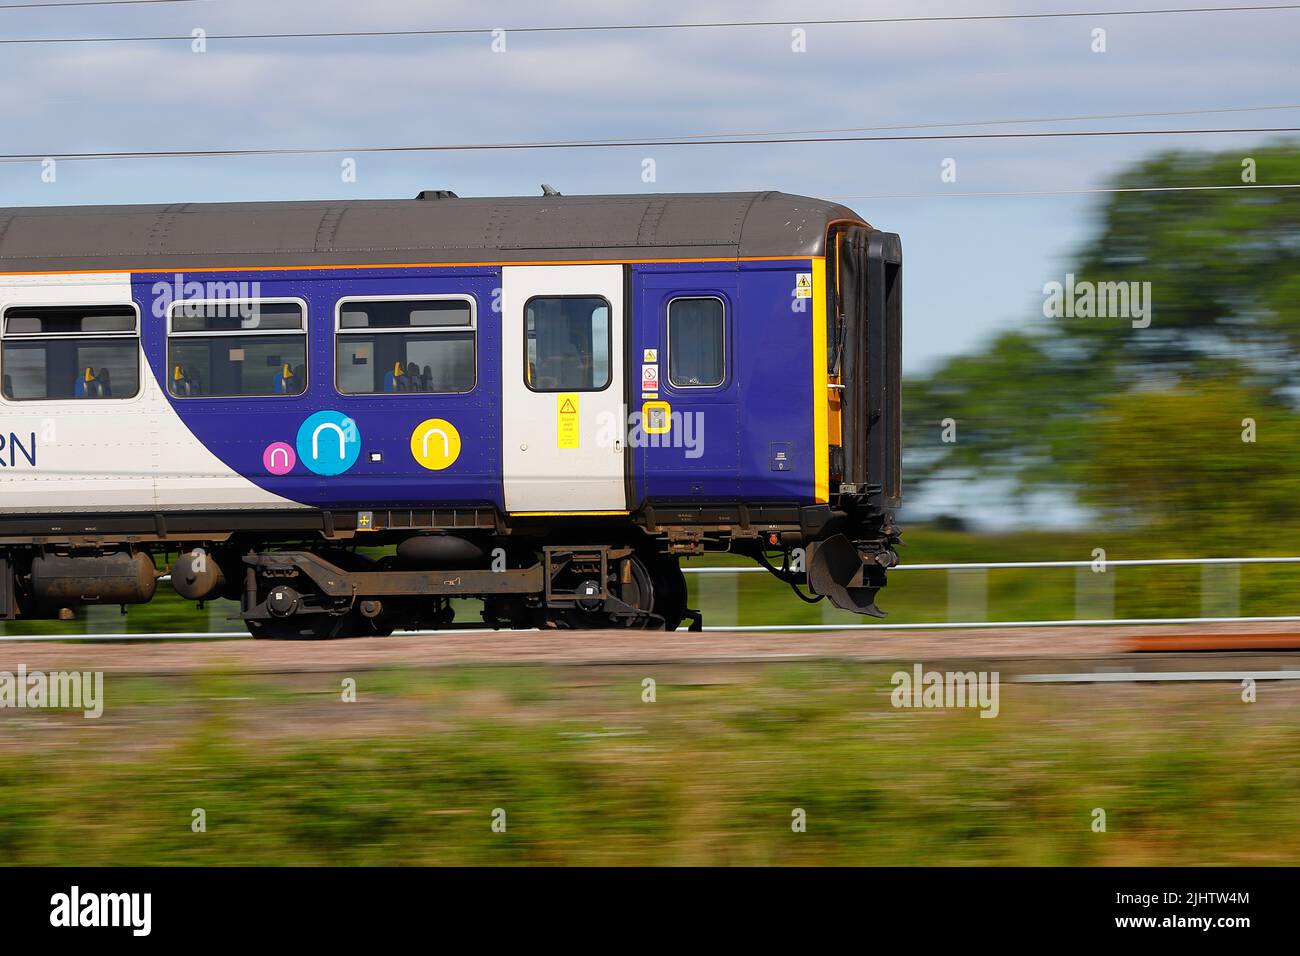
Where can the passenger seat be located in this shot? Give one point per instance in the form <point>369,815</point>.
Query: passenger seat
<point>85,386</point>
<point>394,380</point>
<point>417,381</point>
<point>184,383</point>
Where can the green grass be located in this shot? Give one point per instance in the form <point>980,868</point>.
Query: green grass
<point>707,774</point>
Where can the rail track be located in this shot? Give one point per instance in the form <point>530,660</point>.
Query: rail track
<point>1102,638</point>
<point>1263,651</point>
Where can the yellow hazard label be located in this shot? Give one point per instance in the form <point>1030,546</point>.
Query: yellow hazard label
<point>803,285</point>
<point>566,411</point>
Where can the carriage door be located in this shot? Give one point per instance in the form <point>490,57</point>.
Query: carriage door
<point>564,422</point>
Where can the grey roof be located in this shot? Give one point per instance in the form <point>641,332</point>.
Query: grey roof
<point>512,229</point>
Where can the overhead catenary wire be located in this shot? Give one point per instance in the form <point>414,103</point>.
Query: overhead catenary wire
<point>1000,122</point>
<point>88,3</point>
<point>1068,192</point>
<point>694,25</point>
<point>622,144</point>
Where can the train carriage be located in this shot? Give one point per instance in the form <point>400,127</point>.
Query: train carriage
<point>347,414</point>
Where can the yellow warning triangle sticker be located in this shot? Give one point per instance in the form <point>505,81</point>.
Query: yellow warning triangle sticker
<point>567,408</point>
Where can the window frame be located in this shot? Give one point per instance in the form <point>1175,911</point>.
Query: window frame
<point>405,297</point>
<point>230,333</point>
<point>668,340</point>
<point>138,335</point>
<point>609,343</point>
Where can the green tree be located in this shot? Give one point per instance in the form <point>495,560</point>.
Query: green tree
<point>1143,424</point>
<point>1205,465</point>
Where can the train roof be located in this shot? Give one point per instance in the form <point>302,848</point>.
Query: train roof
<point>435,227</point>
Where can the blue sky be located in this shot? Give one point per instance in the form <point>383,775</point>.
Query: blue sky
<point>974,265</point>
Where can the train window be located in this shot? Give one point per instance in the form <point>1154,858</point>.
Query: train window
<point>413,345</point>
<point>567,343</point>
<point>51,353</point>
<point>230,348</point>
<point>696,342</point>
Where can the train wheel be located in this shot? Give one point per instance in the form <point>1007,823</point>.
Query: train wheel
<point>637,592</point>
<point>669,590</point>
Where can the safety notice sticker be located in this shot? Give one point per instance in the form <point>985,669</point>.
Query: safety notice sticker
<point>649,378</point>
<point>566,410</point>
<point>803,285</point>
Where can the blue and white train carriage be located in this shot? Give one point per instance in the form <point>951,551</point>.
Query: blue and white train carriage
<point>543,403</point>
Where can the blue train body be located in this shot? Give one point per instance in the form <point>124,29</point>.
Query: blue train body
<point>766,399</point>
<point>555,451</point>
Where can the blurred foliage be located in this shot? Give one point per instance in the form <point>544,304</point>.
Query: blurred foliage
<point>1145,424</point>
<point>708,774</point>
<point>1174,461</point>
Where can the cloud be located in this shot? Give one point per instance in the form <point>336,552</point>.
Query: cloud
<point>343,93</point>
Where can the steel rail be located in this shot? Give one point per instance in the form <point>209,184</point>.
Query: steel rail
<point>1105,565</point>
<point>747,628</point>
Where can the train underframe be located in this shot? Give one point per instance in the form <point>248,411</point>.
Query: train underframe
<point>373,573</point>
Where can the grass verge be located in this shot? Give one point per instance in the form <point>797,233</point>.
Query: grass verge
<point>709,773</point>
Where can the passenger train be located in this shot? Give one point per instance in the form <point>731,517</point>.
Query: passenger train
<point>347,414</point>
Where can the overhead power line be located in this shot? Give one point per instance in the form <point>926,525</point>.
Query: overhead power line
<point>670,138</point>
<point>630,27</point>
<point>1066,192</point>
<point>622,144</point>
<point>87,3</point>
<point>1001,122</point>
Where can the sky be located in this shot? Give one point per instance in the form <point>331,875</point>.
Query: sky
<point>974,264</point>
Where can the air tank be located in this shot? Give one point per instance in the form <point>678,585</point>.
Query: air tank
<point>116,578</point>
<point>441,551</point>
<point>196,576</point>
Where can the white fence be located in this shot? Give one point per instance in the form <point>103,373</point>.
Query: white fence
<point>967,600</point>
<point>967,593</point>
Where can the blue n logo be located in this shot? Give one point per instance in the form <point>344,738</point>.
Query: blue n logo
<point>329,442</point>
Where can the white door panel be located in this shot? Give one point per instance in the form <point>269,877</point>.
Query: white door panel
<point>563,436</point>
<point>122,454</point>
